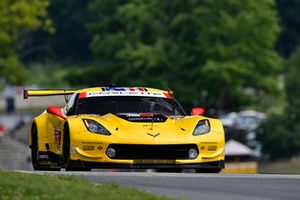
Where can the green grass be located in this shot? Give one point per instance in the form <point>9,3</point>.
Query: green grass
<point>23,186</point>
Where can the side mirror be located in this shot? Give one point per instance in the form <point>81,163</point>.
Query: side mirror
<point>197,111</point>
<point>54,110</point>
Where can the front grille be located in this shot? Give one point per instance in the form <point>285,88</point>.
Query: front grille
<point>172,152</point>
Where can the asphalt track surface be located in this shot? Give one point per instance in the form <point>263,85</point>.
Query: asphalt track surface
<point>201,186</point>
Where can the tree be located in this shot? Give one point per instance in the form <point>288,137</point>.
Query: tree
<point>281,136</point>
<point>17,20</point>
<point>71,39</point>
<point>291,83</point>
<point>205,50</point>
<point>290,22</point>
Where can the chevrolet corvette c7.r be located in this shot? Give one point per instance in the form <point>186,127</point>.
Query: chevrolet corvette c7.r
<point>121,127</point>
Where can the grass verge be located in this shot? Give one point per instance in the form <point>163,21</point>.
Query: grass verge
<point>23,186</point>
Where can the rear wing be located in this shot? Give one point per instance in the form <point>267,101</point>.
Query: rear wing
<point>39,93</point>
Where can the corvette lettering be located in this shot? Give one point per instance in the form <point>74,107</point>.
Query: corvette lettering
<point>123,93</point>
<point>106,91</point>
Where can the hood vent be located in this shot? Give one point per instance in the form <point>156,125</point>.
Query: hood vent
<point>143,117</point>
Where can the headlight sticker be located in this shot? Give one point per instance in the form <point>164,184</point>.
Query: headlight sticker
<point>202,127</point>
<point>95,127</point>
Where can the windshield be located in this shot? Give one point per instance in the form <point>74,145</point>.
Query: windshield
<point>128,104</point>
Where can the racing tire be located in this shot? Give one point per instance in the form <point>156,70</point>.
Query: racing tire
<point>34,148</point>
<point>208,170</point>
<point>70,165</point>
<point>35,152</point>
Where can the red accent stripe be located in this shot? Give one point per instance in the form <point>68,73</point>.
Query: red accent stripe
<point>131,89</point>
<point>141,89</point>
<point>168,96</point>
<point>146,114</point>
<point>82,95</point>
<point>56,111</point>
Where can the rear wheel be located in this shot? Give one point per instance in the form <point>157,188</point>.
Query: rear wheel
<point>35,152</point>
<point>34,148</point>
<point>69,164</point>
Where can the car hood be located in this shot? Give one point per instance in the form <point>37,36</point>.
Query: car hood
<point>130,126</point>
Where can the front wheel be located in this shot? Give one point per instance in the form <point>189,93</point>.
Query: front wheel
<point>69,164</point>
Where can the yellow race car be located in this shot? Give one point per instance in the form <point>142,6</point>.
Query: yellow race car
<point>121,127</point>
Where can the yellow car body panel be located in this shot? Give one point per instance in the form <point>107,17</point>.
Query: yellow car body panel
<point>211,145</point>
<point>88,147</point>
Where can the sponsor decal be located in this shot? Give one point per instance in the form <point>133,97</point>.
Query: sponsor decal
<point>92,142</point>
<point>124,92</point>
<point>88,148</point>
<point>208,142</point>
<point>149,125</point>
<point>57,138</point>
<point>212,148</point>
<point>124,89</point>
<point>113,89</point>
<point>99,148</point>
<point>43,156</point>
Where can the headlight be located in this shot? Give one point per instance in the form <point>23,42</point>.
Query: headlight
<point>95,127</point>
<point>202,127</point>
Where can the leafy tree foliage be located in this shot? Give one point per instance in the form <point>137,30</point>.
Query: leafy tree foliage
<point>278,140</point>
<point>290,21</point>
<point>292,84</point>
<point>281,137</point>
<point>207,51</point>
<point>17,20</point>
<point>71,40</point>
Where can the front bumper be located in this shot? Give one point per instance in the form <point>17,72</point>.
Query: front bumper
<point>209,165</point>
<point>92,148</point>
<point>99,159</point>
